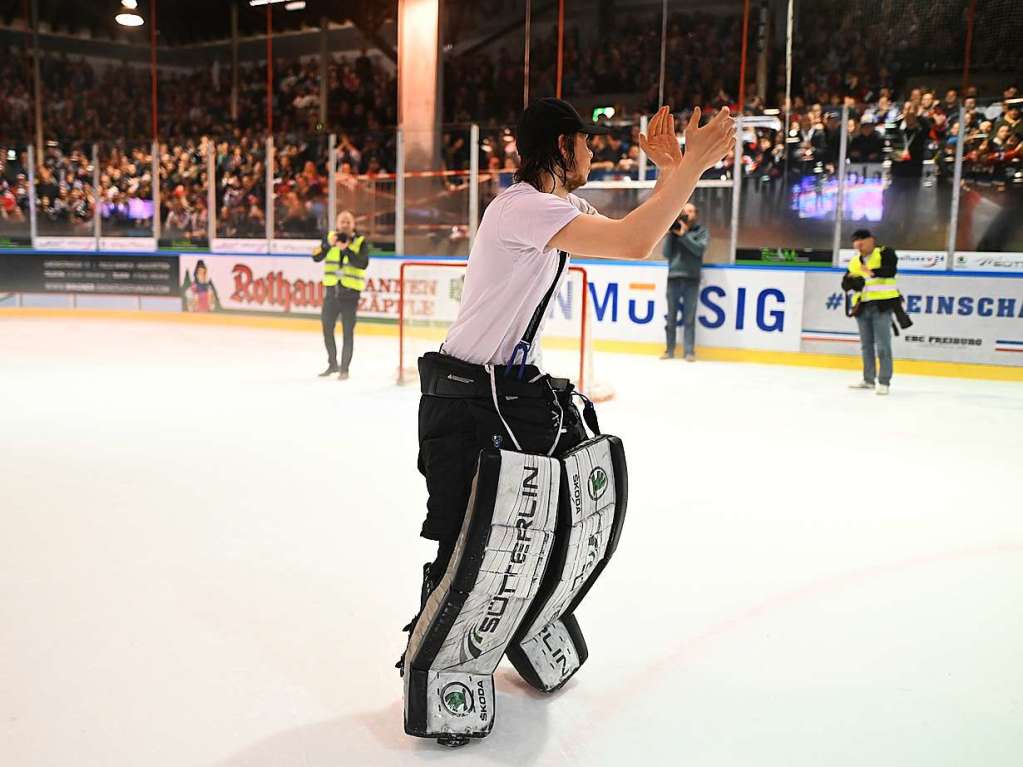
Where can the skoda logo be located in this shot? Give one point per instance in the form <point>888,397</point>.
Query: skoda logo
<point>596,485</point>
<point>458,699</point>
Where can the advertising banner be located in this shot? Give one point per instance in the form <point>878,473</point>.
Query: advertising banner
<point>238,245</point>
<point>972,319</point>
<point>989,262</point>
<point>955,319</point>
<point>300,247</point>
<point>922,260</point>
<point>10,237</point>
<point>739,308</point>
<point>89,273</point>
<point>278,284</point>
<point>64,243</point>
<point>127,244</point>
<point>783,257</point>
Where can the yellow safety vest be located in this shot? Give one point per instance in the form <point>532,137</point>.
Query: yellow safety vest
<point>874,288</point>
<point>336,268</point>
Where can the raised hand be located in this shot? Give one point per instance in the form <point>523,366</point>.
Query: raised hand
<point>707,145</point>
<point>660,142</point>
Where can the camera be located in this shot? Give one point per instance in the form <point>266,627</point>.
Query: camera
<point>683,218</point>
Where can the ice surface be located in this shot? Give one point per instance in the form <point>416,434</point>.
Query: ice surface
<point>207,553</point>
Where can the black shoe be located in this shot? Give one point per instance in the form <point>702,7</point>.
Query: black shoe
<point>331,370</point>
<point>453,741</point>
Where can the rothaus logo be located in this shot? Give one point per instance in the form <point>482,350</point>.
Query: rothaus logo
<point>529,492</point>
<point>457,699</point>
<point>274,289</point>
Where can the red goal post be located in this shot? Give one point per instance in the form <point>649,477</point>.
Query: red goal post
<point>429,295</point>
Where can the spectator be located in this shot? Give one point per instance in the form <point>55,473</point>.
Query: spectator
<point>9,208</point>
<point>913,130</point>
<point>866,145</point>
<point>951,103</point>
<point>605,157</point>
<point>767,160</point>
<point>832,139</point>
<point>456,151</point>
<point>810,143</point>
<point>885,111</point>
<point>1011,118</point>
<point>296,220</point>
<point>179,222</point>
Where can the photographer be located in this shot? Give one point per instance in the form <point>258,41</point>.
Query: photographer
<point>684,247</point>
<point>345,256</point>
<point>875,298</point>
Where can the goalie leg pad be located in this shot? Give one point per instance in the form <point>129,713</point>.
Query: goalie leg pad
<point>470,617</point>
<point>550,648</point>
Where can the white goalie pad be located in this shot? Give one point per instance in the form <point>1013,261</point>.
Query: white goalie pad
<point>550,648</point>
<point>471,616</point>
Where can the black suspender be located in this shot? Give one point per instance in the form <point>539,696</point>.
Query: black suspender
<point>526,343</point>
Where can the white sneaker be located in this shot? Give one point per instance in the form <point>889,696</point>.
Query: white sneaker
<point>861,385</point>
<point>881,390</point>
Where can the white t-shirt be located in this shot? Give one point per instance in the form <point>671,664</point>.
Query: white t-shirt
<point>510,270</point>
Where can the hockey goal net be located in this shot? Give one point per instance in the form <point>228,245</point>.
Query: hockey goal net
<point>430,292</point>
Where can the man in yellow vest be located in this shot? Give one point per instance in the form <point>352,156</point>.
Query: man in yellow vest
<point>875,297</point>
<point>345,256</point>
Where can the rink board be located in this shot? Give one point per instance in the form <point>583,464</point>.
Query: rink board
<point>959,317</point>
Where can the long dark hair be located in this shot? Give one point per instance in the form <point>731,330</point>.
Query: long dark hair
<point>549,158</point>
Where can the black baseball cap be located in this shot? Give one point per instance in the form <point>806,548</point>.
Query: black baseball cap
<point>546,119</point>
<point>861,234</point>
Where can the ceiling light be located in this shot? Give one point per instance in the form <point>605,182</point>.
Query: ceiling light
<point>131,5</point>
<point>255,3</point>
<point>295,5</point>
<point>129,20</point>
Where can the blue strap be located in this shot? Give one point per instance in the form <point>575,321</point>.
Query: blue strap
<point>524,347</point>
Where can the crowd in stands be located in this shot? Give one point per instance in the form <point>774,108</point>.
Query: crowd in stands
<point>65,192</point>
<point>890,121</point>
<point>85,103</point>
<point>80,98</point>
<point>702,54</point>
